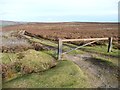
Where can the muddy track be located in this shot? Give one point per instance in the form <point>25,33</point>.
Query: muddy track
<point>99,74</point>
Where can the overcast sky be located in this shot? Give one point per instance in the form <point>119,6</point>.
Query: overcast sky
<point>59,10</point>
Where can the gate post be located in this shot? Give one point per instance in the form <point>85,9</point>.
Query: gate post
<point>59,49</point>
<point>110,44</point>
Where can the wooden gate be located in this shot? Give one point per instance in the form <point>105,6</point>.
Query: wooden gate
<point>60,44</point>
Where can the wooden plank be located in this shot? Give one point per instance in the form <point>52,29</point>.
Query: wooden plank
<point>88,39</point>
<point>110,44</point>
<point>59,49</point>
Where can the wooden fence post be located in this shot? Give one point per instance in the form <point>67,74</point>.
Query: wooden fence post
<point>110,44</point>
<point>59,49</point>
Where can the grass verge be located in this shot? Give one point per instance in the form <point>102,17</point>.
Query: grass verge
<point>65,75</point>
<point>15,65</point>
<point>108,61</point>
<point>102,50</point>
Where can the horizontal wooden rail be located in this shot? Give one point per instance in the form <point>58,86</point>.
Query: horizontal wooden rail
<point>88,39</point>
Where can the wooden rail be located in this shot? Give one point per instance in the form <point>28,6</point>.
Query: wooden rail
<point>60,43</point>
<point>88,39</point>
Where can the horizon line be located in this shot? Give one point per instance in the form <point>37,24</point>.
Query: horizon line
<point>62,21</point>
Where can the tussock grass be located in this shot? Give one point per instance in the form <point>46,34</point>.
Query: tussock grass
<point>65,75</point>
<point>25,62</point>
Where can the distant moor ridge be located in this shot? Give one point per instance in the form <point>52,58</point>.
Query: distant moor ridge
<point>54,31</point>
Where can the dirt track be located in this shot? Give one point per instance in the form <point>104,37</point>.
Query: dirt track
<point>99,74</point>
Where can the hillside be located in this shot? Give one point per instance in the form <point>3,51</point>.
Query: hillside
<point>9,23</point>
<point>54,31</point>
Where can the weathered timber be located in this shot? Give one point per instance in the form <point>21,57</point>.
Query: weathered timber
<point>110,44</point>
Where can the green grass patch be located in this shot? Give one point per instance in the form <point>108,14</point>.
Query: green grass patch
<point>29,55</point>
<point>52,53</point>
<point>43,41</point>
<point>102,50</point>
<point>74,52</point>
<point>65,75</point>
<point>37,60</point>
<point>107,61</point>
<point>7,58</point>
<point>25,62</point>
